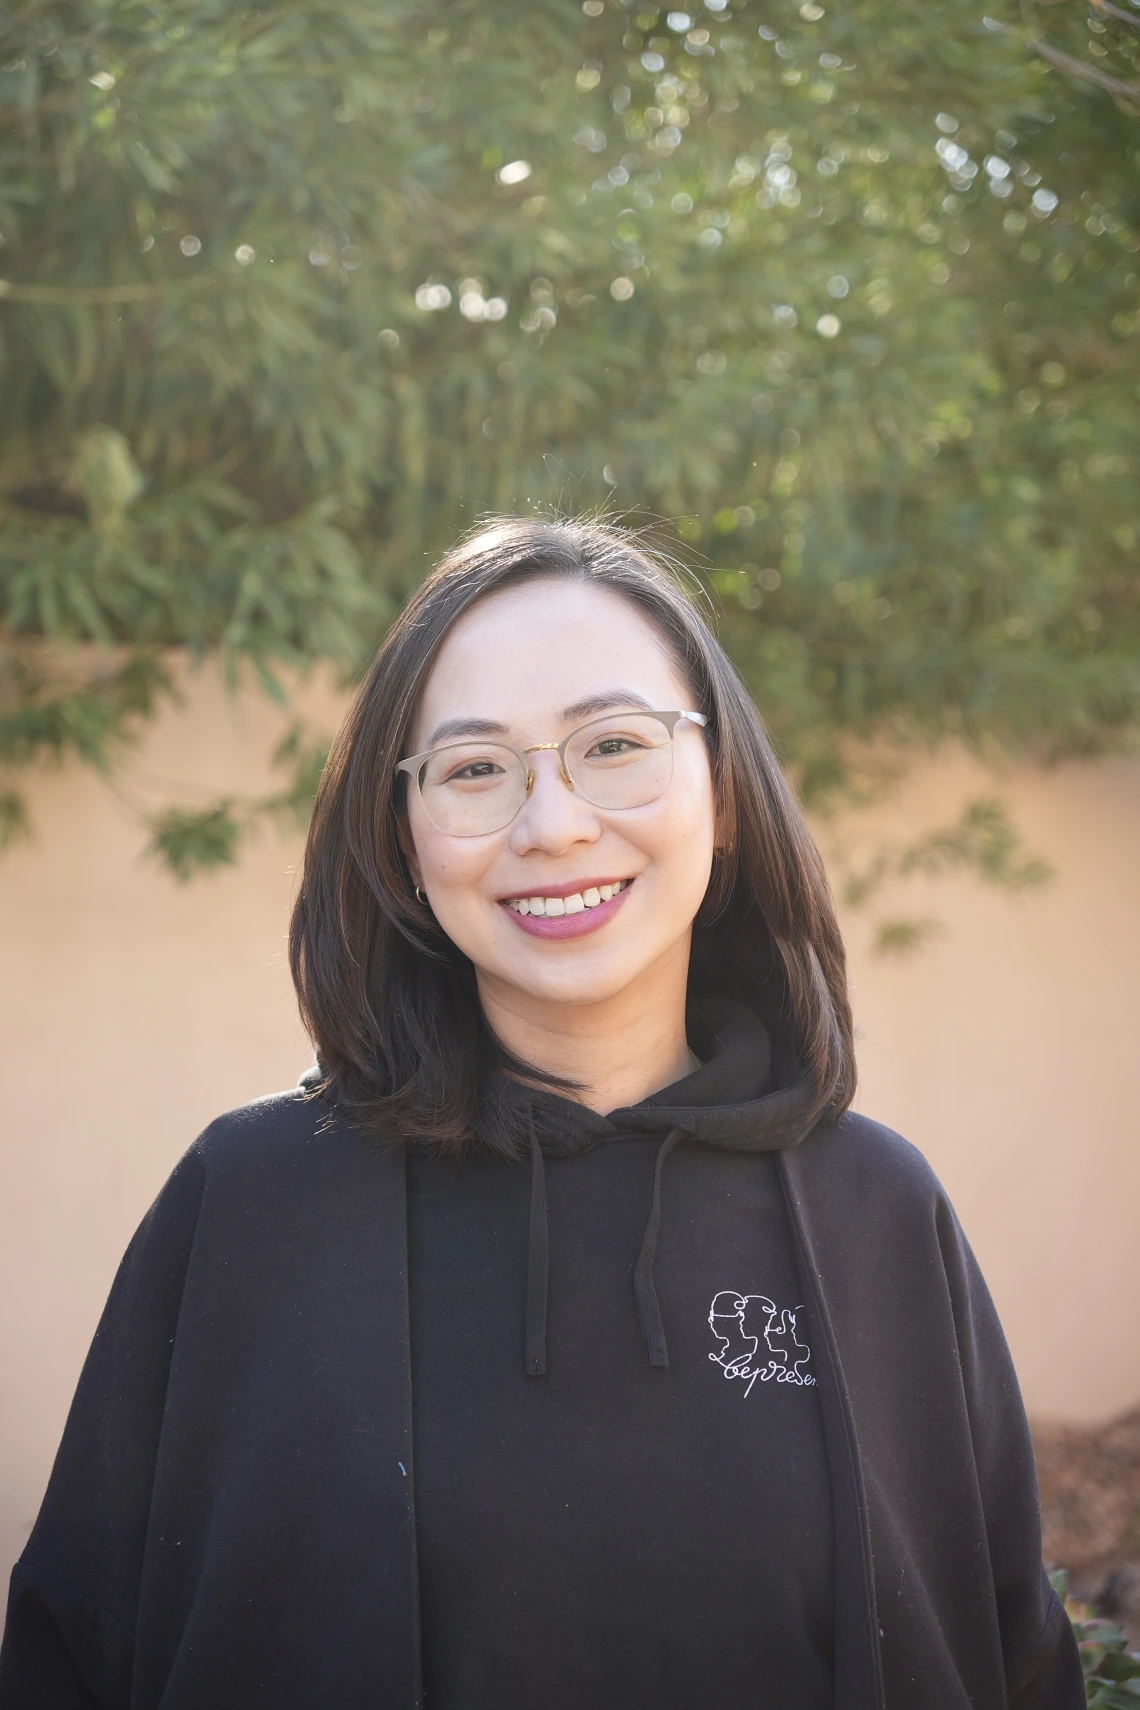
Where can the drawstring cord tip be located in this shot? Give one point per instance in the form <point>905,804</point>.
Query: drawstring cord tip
<point>644,1287</point>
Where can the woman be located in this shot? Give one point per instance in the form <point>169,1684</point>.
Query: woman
<point>563,1340</point>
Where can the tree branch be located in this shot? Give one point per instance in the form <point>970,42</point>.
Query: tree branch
<point>1128,93</point>
<point>59,103</point>
<point>1132,18</point>
<point>137,291</point>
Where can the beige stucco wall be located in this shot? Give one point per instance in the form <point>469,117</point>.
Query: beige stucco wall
<point>132,1010</point>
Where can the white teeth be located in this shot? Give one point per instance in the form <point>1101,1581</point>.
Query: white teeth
<point>553,907</point>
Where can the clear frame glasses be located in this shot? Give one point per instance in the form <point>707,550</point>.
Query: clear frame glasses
<point>621,760</point>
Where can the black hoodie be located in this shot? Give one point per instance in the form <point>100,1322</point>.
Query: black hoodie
<point>231,1522</point>
<point>596,1526</point>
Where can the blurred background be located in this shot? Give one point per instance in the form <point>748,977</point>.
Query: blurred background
<point>841,305</point>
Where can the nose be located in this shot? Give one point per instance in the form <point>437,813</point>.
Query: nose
<point>553,817</point>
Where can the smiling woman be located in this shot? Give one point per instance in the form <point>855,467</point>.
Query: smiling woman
<point>564,1339</point>
<point>471,772</point>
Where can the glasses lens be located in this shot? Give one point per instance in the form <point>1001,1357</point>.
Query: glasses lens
<point>471,788</point>
<point>621,761</point>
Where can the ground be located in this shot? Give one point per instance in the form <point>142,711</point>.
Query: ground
<point>1090,1509</point>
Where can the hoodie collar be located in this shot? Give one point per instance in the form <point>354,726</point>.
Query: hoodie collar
<point>747,1095</point>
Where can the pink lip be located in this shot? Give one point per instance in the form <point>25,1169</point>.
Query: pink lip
<point>568,925</point>
<point>571,888</point>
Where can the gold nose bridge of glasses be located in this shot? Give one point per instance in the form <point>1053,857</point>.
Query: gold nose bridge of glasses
<point>542,748</point>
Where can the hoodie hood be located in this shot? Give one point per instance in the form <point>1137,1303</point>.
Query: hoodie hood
<point>746,1096</point>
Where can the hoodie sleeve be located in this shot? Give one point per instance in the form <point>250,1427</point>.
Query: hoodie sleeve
<point>69,1637</point>
<point>1042,1663</point>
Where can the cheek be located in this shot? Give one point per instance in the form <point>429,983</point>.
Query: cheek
<point>679,844</point>
<point>448,865</point>
<point>452,867</point>
<point>691,822</point>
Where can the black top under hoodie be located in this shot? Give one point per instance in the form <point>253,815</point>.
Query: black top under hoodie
<point>231,1522</point>
<point>613,1533</point>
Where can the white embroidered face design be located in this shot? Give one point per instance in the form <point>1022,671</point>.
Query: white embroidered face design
<point>726,1321</point>
<point>756,1339</point>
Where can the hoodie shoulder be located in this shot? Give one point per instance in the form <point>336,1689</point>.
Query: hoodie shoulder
<point>274,1135</point>
<point>274,1119</point>
<point>874,1141</point>
<point>287,1146</point>
<point>867,1158</point>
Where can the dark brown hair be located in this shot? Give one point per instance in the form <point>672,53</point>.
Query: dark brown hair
<point>389,1001</point>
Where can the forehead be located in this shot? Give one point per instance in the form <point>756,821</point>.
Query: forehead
<point>523,655</point>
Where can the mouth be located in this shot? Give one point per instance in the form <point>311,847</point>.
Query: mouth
<point>567,899</point>
<point>567,913</point>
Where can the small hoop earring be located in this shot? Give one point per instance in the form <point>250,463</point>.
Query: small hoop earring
<point>420,897</point>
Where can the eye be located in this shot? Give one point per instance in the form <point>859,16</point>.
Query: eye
<point>613,747</point>
<point>474,772</point>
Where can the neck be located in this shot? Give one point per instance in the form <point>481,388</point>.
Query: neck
<point>618,1050</point>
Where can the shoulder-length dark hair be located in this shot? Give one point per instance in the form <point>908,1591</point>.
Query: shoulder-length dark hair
<point>389,1001</point>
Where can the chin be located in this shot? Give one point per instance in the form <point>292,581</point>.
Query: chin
<point>572,984</point>
<point>583,992</point>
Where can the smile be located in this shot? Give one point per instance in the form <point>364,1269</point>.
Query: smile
<point>552,907</point>
<point>568,916</point>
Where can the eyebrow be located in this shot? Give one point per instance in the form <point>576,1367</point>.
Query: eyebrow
<point>452,727</point>
<point>603,702</point>
<point>577,711</point>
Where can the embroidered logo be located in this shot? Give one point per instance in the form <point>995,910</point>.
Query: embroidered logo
<point>755,1339</point>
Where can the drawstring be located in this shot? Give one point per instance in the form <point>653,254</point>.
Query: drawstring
<point>643,1284</point>
<point>537,1263</point>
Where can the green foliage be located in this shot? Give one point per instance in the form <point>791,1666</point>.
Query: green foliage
<point>294,292</point>
<point>983,839</point>
<point>56,707</point>
<point>305,759</point>
<point>14,826</point>
<point>901,937</point>
<point>1112,1672</point>
<point>193,841</point>
<point>190,841</point>
<point>982,842</point>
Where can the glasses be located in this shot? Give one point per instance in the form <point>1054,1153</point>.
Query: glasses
<point>624,760</point>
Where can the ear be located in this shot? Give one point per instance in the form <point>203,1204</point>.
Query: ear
<point>724,827</point>
<point>408,848</point>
